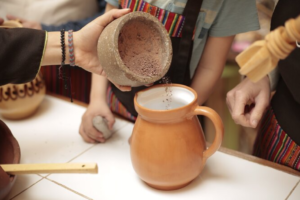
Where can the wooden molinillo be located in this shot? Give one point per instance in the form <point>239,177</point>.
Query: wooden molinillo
<point>262,56</point>
<point>50,168</point>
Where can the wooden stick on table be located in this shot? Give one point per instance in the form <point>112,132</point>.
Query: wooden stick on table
<point>50,168</point>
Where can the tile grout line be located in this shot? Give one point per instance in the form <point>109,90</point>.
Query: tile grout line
<point>86,197</point>
<point>292,190</point>
<point>93,145</point>
<point>26,188</point>
<point>46,177</point>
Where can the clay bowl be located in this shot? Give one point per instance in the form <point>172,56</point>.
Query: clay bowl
<point>18,101</point>
<point>135,50</point>
<point>9,154</point>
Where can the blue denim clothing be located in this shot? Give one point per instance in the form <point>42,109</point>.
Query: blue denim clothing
<point>77,25</point>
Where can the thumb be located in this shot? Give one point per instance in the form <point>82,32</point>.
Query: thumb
<point>258,112</point>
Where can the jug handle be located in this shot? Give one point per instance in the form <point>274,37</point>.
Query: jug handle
<point>219,128</point>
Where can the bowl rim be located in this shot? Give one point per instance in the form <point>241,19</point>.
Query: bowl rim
<point>165,36</point>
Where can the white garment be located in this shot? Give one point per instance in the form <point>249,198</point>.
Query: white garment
<point>49,12</point>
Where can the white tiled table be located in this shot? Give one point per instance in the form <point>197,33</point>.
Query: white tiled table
<point>51,136</point>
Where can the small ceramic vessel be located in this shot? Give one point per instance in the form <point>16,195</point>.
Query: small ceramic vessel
<point>135,50</point>
<point>19,101</point>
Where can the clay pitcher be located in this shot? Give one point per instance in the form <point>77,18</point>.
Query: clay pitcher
<point>168,148</point>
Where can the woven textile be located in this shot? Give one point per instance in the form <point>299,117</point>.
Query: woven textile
<point>116,106</point>
<point>273,144</point>
<point>173,22</point>
<point>80,82</point>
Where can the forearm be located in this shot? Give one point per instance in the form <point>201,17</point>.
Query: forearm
<point>205,83</point>
<point>98,88</point>
<point>210,66</point>
<point>53,54</point>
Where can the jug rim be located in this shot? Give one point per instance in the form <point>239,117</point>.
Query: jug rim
<point>140,107</point>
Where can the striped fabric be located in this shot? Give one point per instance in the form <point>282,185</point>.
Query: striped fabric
<point>173,22</point>
<point>80,82</point>
<point>116,106</point>
<point>273,144</point>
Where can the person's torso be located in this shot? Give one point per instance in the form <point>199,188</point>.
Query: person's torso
<point>286,101</point>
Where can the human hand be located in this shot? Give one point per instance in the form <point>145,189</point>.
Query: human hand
<point>87,131</point>
<point>1,21</point>
<point>86,40</point>
<point>248,101</point>
<point>25,23</point>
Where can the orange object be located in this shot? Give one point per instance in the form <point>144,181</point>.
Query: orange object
<point>168,148</point>
<point>262,56</point>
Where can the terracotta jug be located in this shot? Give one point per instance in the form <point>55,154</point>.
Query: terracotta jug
<point>168,148</point>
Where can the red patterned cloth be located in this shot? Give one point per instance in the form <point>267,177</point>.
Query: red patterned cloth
<point>274,144</point>
<point>173,22</point>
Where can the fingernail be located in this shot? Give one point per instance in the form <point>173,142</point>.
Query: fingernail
<point>254,123</point>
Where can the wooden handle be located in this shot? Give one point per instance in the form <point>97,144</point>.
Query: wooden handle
<point>50,168</point>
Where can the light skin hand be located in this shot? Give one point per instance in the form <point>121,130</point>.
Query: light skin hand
<point>97,107</point>
<point>87,39</point>
<point>25,23</point>
<point>88,132</point>
<point>85,45</point>
<point>248,94</point>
